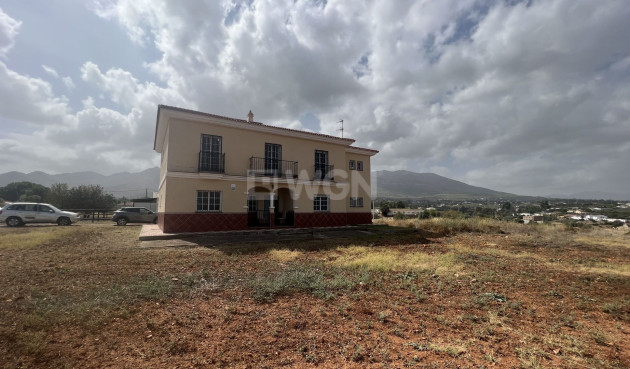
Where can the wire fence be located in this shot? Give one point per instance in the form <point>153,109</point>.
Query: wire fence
<point>93,215</point>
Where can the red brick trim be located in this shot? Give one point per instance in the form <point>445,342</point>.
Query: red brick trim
<point>201,222</point>
<point>208,222</point>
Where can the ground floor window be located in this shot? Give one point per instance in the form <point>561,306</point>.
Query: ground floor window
<point>321,203</point>
<point>208,200</point>
<point>356,202</point>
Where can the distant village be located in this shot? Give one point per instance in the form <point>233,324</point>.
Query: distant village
<point>571,212</point>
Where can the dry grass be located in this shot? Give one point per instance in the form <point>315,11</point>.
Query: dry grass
<point>488,294</point>
<point>391,260</point>
<point>33,236</point>
<point>449,226</point>
<point>284,255</point>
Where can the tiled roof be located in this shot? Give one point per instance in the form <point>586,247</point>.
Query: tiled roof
<point>363,148</point>
<point>243,121</point>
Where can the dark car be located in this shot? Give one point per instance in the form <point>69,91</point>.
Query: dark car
<point>123,216</point>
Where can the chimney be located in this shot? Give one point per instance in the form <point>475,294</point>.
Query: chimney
<point>250,117</point>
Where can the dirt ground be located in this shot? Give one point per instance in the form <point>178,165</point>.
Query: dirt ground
<point>93,296</point>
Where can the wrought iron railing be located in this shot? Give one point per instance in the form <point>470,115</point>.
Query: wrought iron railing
<point>211,162</point>
<point>273,167</point>
<point>324,172</point>
<point>258,218</point>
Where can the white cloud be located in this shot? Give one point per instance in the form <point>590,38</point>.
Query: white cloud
<point>50,71</point>
<point>529,97</point>
<point>9,28</point>
<point>67,81</point>
<point>29,100</point>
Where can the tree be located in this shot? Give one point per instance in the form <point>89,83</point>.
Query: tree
<point>400,216</point>
<point>384,209</point>
<point>58,195</point>
<point>545,204</point>
<point>506,206</point>
<point>23,191</point>
<point>400,205</point>
<point>89,197</point>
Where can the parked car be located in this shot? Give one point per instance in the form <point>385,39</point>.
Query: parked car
<point>20,213</point>
<point>123,216</point>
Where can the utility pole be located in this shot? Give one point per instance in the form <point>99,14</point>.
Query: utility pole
<point>341,129</point>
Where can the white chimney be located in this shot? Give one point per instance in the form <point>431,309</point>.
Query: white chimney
<point>250,117</point>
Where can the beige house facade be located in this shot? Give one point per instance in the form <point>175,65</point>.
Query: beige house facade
<point>219,173</point>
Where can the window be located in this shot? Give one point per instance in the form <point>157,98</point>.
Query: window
<point>320,203</point>
<point>45,209</point>
<point>210,143</point>
<point>351,165</point>
<point>273,156</point>
<point>359,165</point>
<point>30,207</point>
<point>321,164</point>
<point>208,200</point>
<point>211,157</point>
<point>356,202</point>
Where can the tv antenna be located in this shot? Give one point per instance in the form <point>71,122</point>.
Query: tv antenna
<point>341,129</point>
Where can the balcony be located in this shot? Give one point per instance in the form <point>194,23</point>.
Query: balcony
<point>211,162</point>
<point>324,172</point>
<point>273,167</point>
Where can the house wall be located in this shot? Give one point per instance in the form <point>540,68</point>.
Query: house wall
<point>359,182</point>
<point>240,144</point>
<point>182,194</point>
<point>181,179</point>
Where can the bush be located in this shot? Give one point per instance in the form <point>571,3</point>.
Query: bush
<point>400,216</point>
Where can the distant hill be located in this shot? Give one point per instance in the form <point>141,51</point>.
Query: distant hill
<point>593,195</point>
<point>122,184</point>
<point>405,184</point>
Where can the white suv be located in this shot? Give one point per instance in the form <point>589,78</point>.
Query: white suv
<point>19,213</point>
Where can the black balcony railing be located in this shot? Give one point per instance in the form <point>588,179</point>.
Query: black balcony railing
<point>273,167</point>
<point>324,172</point>
<point>211,162</point>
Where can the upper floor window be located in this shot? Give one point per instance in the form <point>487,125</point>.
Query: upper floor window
<point>321,203</point>
<point>210,143</point>
<point>273,156</point>
<point>351,165</point>
<point>321,164</point>
<point>211,157</point>
<point>208,200</point>
<point>359,165</point>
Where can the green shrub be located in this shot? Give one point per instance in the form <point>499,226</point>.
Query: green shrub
<point>400,216</point>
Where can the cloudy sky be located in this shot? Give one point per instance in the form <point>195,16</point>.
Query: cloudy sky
<point>529,97</point>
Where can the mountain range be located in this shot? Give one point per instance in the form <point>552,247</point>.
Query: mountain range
<point>130,185</point>
<point>405,184</point>
<point>400,184</point>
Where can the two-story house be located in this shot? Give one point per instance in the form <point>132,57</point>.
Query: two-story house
<point>219,173</point>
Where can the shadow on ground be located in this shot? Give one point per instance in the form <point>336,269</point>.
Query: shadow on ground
<point>306,239</point>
